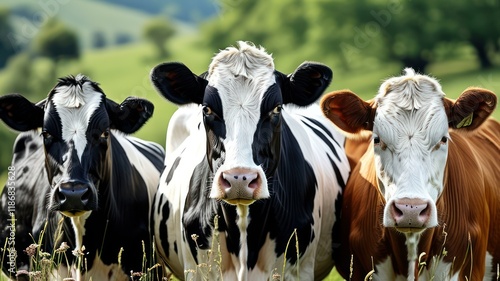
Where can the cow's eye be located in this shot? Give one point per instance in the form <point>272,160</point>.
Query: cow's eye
<point>47,138</point>
<point>207,110</point>
<point>105,135</point>
<point>444,140</point>
<point>376,140</point>
<point>103,138</point>
<point>277,109</point>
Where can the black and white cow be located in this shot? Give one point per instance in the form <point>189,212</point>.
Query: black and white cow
<point>75,159</point>
<point>252,151</point>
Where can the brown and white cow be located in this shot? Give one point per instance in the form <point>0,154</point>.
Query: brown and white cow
<point>423,202</point>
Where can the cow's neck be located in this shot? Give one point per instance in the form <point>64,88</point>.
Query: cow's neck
<point>243,221</point>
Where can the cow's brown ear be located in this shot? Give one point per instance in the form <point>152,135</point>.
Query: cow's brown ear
<point>348,112</point>
<point>471,108</point>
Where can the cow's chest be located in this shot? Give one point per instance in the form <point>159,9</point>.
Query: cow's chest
<point>437,271</point>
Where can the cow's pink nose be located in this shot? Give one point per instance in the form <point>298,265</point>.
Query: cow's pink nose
<point>410,213</point>
<point>240,183</point>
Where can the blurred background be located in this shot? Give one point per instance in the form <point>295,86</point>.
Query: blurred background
<point>117,42</point>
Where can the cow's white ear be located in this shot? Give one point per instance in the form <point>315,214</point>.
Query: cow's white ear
<point>130,115</point>
<point>306,84</point>
<point>471,108</point>
<point>20,114</point>
<point>178,84</point>
<point>348,111</point>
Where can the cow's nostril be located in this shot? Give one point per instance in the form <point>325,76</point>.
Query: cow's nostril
<point>86,196</point>
<point>425,213</point>
<point>225,183</point>
<point>396,211</point>
<point>254,183</point>
<point>60,197</point>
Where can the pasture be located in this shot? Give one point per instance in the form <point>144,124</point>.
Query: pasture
<point>124,71</point>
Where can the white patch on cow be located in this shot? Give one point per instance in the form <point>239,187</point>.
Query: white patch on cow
<point>384,272</point>
<point>145,167</point>
<point>243,221</point>
<point>75,105</point>
<point>99,271</point>
<point>79,228</point>
<point>440,270</point>
<point>105,272</point>
<point>410,122</point>
<point>437,270</point>
<point>191,152</point>
<point>181,125</point>
<point>490,268</point>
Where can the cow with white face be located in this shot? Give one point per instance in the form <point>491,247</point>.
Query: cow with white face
<point>75,159</point>
<point>422,202</point>
<point>252,151</point>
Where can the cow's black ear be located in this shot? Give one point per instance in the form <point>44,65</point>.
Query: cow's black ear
<point>130,115</point>
<point>20,114</point>
<point>178,84</point>
<point>306,84</point>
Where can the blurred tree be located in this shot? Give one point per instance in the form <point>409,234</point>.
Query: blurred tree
<point>17,75</point>
<point>158,31</point>
<point>98,40</point>
<point>122,38</point>
<point>56,42</point>
<point>477,23</point>
<point>282,31</point>
<point>6,47</point>
<point>357,33</point>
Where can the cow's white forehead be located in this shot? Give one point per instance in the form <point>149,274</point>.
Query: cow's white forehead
<point>75,105</point>
<point>246,68</point>
<point>410,91</point>
<point>411,107</point>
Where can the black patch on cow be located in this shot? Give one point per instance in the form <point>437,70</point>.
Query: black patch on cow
<point>322,136</point>
<point>215,127</point>
<point>172,169</point>
<point>199,213</point>
<point>165,212</point>
<point>337,208</point>
<point>266,145</point>
<point>161,201</point>
<point>292,188</point>
<point>212,100</point>
<point>150,152</point>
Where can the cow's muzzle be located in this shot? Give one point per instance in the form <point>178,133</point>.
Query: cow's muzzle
<point>73,198</point>
<point>240,186</point>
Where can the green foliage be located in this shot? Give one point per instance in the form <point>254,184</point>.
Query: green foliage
<point>158,31</point>
<point>360,33</point>
<point>6,47</point>
<point>56,41</point>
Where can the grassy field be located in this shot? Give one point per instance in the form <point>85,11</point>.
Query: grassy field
<point>125,71</point>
